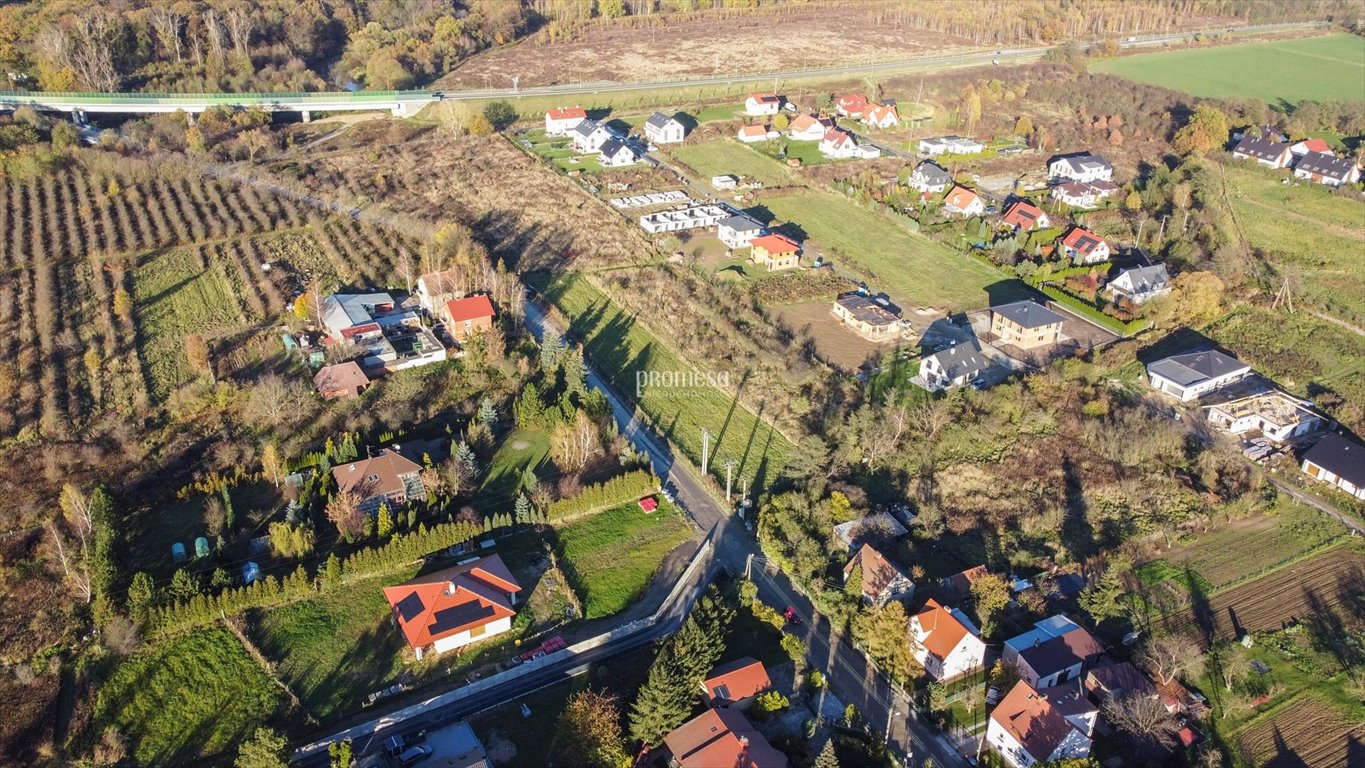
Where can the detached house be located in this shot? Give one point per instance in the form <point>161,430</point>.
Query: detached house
<point>736,683</point>
<point>388,477</point>
<point>467,317</point>
<point>964,202</point>
<point>955,366</point>
<point>882,580</point>
<point>1026,324</point>
<point>615,153</point>
<point>1083,194</point>
<point>434,289</point>
<point>1140,284</point>
<point>945,642</point>
<point>1325,168</point>
<point>1271,154</point>
<point>882,116</point>
<point>1083,246</point>
<point>1082,166</point>
<point>1055,651</point>
<point>838,143</point>
<point>339,381</point>
<point>854,105</point>
<point>589,136</point>
<point>1026,217</point>
<point>750,134</point>
<point>1274,415</point>
<point>762,104</point>
<point>720,738</point>
<point>1117,681</point>
<point>1042,726</point>
<point>808,128</point>
<point>949,145</point>
<point>388,336</point>
<point>1301,148</point>
<point>930,178</point>
<point>776,252</point>
<point>1188,376</point>
<point>664,129</point>
<point>738,231</point>
<point>866,318</point>
<point>559,122</point>
<point>454,607</point>
<point>1337,461</point>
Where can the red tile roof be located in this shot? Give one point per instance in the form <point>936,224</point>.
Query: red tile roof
<point>878,112</point>
<point>854,103</point>
<point>1082,241</point>
<point>453,600</point>
<point>1024,216</point>
<point>753,130</point>
<point>803,123</point>
<point>721,738</point>
<point>765,98</point>
<point>962,582</point>
<point>961,198</point>
<point>944,632</point>
<point>737,680</point>
<point>469,308</point>
<point>776,244</point>
<point>649,504</point>
<point>564,113</point>
<point>1317,145</point>
<point>1035,721</point>
<point>878,572</point>
<point>836,137</point>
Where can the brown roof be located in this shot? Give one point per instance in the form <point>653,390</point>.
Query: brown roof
<point>371,477</point>
<point>1121,679</point>
<point>960,198</point>
<point>721,738</point>
<point>1037,719</point>
<point>738,679</point>
<point>345,375</point>
<point>1023,215</point>
<point>944,632</point>
<point>878,572</point>
<point>962,582</point>
<point>1076,646</point>
<point>452,600</point>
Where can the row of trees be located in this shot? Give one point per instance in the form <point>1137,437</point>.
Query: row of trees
<point>673,686</point>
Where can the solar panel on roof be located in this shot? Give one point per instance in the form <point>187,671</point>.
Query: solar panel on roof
<point>459,615</point>
<point>410,607</point>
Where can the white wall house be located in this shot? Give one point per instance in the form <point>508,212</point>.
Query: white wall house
<point>664,129</point>
<point>1275,415</point>
<point>560,121</point>
<point>1271,154</point>
<point>615,153</point>
<point>1327,169</point>
<point>1337,461</point>
<point>1031,726</point>
<point>1140,284</point>
<point>1080,167</point>
<point>931,178</point>
<point>695,217</point>
<point>945,642</point>
<point>738,231</point>
<point>1191,375</point>
<point>955,366</point>
<point>949,145</point>
<point>762,104</point>
<point>589,136</point>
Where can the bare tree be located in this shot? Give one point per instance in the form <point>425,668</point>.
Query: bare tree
<point>168,24</point>
<point>213,31</point>
<point>344,512</point>
<point>215,516</point>
<point>241,24</point>
<point>74,570</point>
<point>274,400</point>
<point>78,513</point>
<point>1144,717</point>
<point>259,140</point>
<point>574,444</point>
<point>92,55</point>
<point>1172,656</point>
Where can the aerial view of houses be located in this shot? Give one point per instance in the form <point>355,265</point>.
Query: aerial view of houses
<point>795,383</point>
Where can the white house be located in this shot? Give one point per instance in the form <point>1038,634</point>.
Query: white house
<point>881,116</point>
<point>754,133</point>
<point>590,135</point>
<point>1083,246</point>
<point>838,143</point>
<point>738,231</point>
<point>1140,284</point>
<point>1271,154</point>
<point>1337,461</point>
<point>1327,169</point>
<point>945,642</point>
<point>882,580</point>
<point>452,608</point>
<point>560,121</point>
<point>854,105</point>
<point>955,366</point>
<point>1055,651</point>
<point>1032,726</point>
<point>808,128</point>
<point>1188,376</point>
<point>949,145</point>
<point>695,217</point>
<point>615,153</point>
<point>664,129</point>
<point>964,202</point>
<point>1080,167</point>
<point>930,178</point>
<point>1083,194</point>
<point>1274,414</point>
<point>762,104</point>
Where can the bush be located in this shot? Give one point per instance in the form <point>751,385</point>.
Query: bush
<point>767,703</point>
<point>603,496</point>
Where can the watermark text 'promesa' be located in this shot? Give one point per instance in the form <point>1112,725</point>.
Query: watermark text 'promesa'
<point>679,380</point>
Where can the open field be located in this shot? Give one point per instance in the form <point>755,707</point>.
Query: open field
<point>705,45</point>
<point>1305,229</point>
<point>1280,72</point>
<point>911,268</point>
<point>188,698</point>
<point>716,158</point>
<point>610,558</point>
<point>1335,576</point>
<point>619,347</point>
<point>1309,732</point>
<point>519,450</point>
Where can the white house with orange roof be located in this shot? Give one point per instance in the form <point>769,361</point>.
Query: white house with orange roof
<point>963,202</point>
<point>808,128</point>
<point>456,606</point>
<point>882,116</point>
<point>561,120</point>
<point>945,642</point>
<point>1031,726</point>
<point>762,104</point>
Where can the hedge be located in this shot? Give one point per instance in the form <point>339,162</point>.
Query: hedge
<point>619,490</point>
<point>1073,304</point>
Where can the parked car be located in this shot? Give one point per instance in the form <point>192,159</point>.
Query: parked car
<point>992,695</point>
<point>415,755</point>
<point>790,616</point>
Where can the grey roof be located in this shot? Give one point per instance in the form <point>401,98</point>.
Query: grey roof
<point>958,360</point>
<point>1144,279</point>
<point>586,128</point>
<point>1325,165</point>
<point>613,146</point>
<point>660,120</point>
<point>343,310</point>
<point>1194,367</point>
<point>1086,162</point>
<point>740,223</point>
<point>1341,457</point>
<point>866,310</point>
<point>1261,149</point>
<point>1029,314</point>
<point>931,173</point>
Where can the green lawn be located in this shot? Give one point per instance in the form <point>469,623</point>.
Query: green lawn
<point>620,348</point>
<point>518,450</point>
<point>1281,72</point>
<point>187,699</point>
<point>611,557</point>
<point>910,267</point>
<point>717,158</point>
<point>1307,229</point>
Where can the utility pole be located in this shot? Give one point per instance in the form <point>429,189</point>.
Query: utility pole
<point>705,449</point>
<point>1141,224</point>
<point>749,566</point>
<point>1162,235</point>
<point>729,470</point>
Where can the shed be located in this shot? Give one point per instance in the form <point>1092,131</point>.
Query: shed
<point>250,572</point>
<point>649,504</point>
<point>201,547</point>
<point>290,343</point>
<point>178,552</point>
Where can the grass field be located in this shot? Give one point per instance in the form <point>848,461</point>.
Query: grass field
<point>187,699</point>
<point>610,558</point>
<point>717,158</point>
<point>517,451</point>
<point>911,268</point>
<point>1307,229</point>
<point>1281,72</point>
<point>619,347</point>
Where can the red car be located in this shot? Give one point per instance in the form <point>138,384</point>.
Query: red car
<point>790,615</point>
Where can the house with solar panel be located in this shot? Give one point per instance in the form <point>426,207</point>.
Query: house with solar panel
<point>1083,246</point>
<point>455,607</point>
